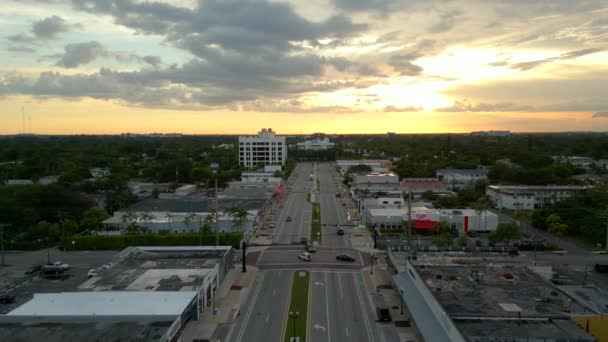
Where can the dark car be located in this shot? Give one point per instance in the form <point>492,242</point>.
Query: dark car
<point>338,194</point>
<point>384,315</point>
<point>345,257</point>
<point>340,231</point>
<point>6,298</point>
<point>601,268</point>
<point>33,269</point>
<point>310,248</point>
<point>288,219</point>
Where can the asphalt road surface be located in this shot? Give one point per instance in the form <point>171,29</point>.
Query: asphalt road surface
<point>296,207</point>
<point>262,318</point>
<point>333,213</point>
<point>322,257</point>
<point>342,310</point>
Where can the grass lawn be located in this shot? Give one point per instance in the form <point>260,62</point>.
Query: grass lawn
<point>299,304</point>
<point>315,229</point>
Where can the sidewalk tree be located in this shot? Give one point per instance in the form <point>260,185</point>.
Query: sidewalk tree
<point>443,234</point>
<point>555,225</point>
<point>239,217</point>
<point>92,219</point>
<point>505,232</point>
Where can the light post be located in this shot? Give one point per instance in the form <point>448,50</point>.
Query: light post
<point>401,302</point>
<point>215,167</point>
<point>2,241</point>
<point>294,316</point>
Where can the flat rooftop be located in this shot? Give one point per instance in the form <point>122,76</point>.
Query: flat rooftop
<point>199,204</point>
<point>552,330</point>
<point>495,290</point>
<point>70,329</point>
<point>158,269</point>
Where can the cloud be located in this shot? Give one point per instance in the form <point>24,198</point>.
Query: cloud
<point>564,56</point>
<point>50,28</point>
<point>447,20</point>
<point>465,106</point>
<point>600,115</point>
<point>81,53</point>
<point>395,109</point>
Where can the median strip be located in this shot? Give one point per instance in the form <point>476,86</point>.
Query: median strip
<point>315,229</point>
<point>298,308</point>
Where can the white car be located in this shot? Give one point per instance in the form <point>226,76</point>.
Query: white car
<point>272,225</point>
<point>305,256</point>
<point>62,265</point>
<point>93,273</point>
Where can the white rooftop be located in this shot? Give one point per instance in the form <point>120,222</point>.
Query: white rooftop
<point>106,303</point>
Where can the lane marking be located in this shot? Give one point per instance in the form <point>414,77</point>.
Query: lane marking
<point>363,308</point>
<point>256,292</point>
<point>340,286</point>
<point>347,335</point>
<point>327,310</point>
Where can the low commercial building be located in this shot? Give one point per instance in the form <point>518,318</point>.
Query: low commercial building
<point>529,197</point>
<point>260,176</point>
<point>315,145</point>
<point>485,298</point>
<point>101,316</point>
<point>418,186</point>
<point>425,220</point>
<point>374,164</point>
<point>376,181</point>
<point>99,172</point>
<point>583,162</point>
<point>458,178</point>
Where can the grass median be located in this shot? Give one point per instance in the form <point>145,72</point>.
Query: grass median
<point>315,229</point>
<point>298,303</point>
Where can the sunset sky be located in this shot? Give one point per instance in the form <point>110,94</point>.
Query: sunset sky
<point>334,66</point>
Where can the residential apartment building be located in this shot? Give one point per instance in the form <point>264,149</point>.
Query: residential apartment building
<point>264,148</point>
<point>455,178</point>
<point>528,197</point>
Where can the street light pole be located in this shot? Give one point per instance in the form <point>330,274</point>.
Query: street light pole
<point>401,301</point>
<point>294,316</point>
<point>2,241</point>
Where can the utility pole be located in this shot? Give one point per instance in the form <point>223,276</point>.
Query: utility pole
<point>606,245</point>
<point>2,225</point>
<point>217,220</point>
<point>409,224</point>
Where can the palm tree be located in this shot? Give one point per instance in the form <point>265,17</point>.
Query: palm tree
<point>168,215</point>
<point>128,217</point>
<point>239,216</point>
<point>146,217</point>
<point>191,218</point>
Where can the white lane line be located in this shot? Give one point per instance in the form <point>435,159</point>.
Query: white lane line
<point>249,311</point>
<point>347,335</point>
<point>267,317</point>
<point>327,309</point>
<point>340,286</point>
<point>363,310</point>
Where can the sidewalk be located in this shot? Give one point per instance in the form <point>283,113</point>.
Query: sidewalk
<point>230,296</point>
<point>380,286</point>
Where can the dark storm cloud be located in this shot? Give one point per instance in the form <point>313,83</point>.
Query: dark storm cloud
<point>50,27</point>
<point>81,53</point>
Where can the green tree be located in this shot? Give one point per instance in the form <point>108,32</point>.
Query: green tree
<point>92,219</point>
<point>505,232</point>
<point>239,217</point>
<point>133,228</point>
<point>555,225</point>
<point>442,234</point>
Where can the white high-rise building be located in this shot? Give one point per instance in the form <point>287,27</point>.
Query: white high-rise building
<point>264,148</point>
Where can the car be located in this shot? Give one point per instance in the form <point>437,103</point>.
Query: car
<point>288,219</point>
<point>345,257</point>
<point>340,231</point>
<point>105,266</point>
<point>384,315</point>
<point>305,256</point>
<point>338,194</point>
<point>6,298</point>
<point>93,273</point>
<point>62,265</point>
<point>272,225</point>
<point>33,269</point>
<point>310,248</point>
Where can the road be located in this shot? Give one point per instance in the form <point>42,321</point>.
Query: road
<point>296,207</point>
<point>342,310</point>
<point>333,213</point>
<point>322,258</point>
<point>262,318</point>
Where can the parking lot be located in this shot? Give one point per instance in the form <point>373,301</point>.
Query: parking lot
<point>14,280</point>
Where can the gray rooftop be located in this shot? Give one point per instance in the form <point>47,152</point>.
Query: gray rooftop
<point>462,172</point>
<point>200,205</point>
<point>525,330</point>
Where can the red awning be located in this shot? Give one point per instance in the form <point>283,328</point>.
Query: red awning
<point>425,224</point>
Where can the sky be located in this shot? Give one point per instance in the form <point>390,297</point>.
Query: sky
<point>333,66</point>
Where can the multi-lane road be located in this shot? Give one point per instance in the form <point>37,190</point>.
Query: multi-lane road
<point>293,222</point>
<point>341,308</point>
<point>333,213</point>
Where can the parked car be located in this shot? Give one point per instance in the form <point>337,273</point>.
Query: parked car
<point>345,257</point>
<point>272,225</point>
<point>305,256</point>
<point>6,298</point>
<point>288,219</point>
<point>33,269</point>
<point>601,268</point>
<point>338,194</point>
<point>384,315</point>
<point>93,273</point>
<point>62,265</point>
<point>340,231</point>
<point>310,248</point>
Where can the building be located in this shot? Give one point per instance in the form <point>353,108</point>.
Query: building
<point>418,186</point>
<point>455,179</point>
<point>489,298</point>
<point>492,133</point>
<point>19,182</point>
<point>528,197</point>
<point>261,149</point>
<point>104,315</point>
<point>374,164</point>
<point>376,181</point>
<point>425,220</point>
<point>584,162</point>
<point>260,176</point>
<point>185,190</point>
<point>315,145</point>
<point>99,172</point>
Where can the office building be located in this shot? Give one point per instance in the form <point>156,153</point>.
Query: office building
<point>264,148</point>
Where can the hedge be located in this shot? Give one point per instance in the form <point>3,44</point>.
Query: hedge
<point>109,242</point>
